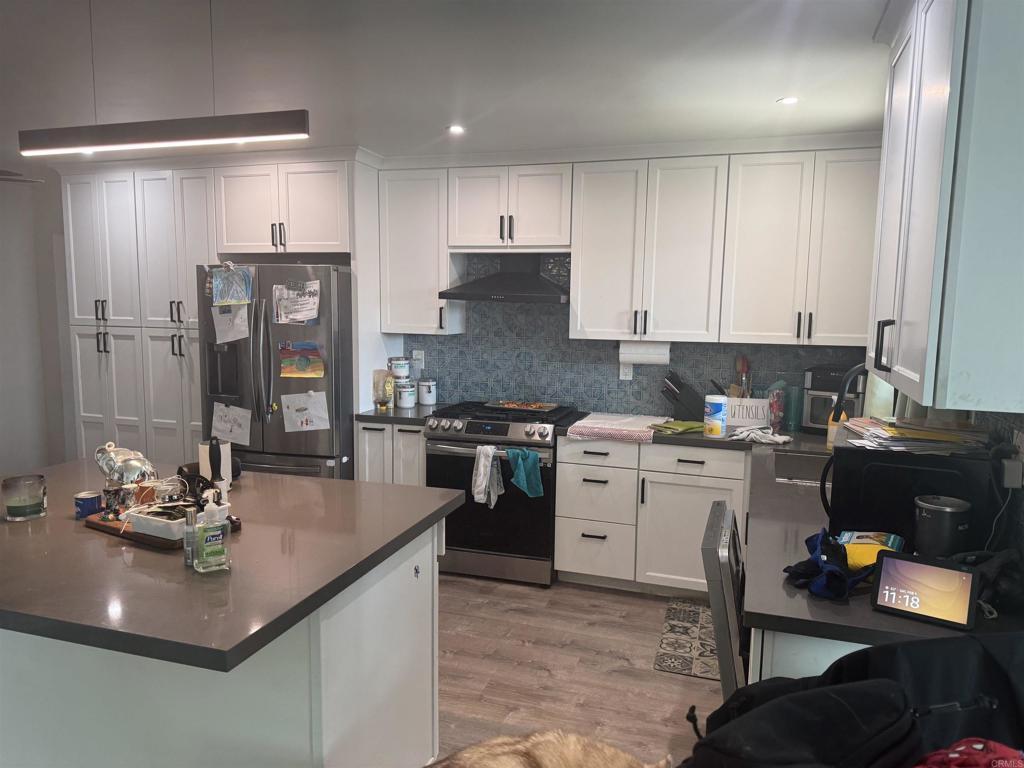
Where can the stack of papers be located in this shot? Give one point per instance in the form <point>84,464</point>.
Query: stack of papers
<point>915,437</point>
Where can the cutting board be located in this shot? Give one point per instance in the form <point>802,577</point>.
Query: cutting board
<point>125,531</point>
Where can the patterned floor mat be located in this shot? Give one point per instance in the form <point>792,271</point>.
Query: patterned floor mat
<point>687,641</point>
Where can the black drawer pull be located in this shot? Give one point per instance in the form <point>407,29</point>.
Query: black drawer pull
<point>596,453</point>
<point>373,429</point>
<point>596,482</point>
<point>643,490</point>
<point>701,462</point>
<point>601,537</point>
<point>411,431</point>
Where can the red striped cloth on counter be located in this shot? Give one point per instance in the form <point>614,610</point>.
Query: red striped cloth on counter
<point>615,426</point>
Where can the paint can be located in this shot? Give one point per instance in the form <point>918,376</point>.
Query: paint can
<point>87,503</point>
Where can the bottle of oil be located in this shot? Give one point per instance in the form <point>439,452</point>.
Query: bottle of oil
<point>210,549</point>
<point>833,425</point>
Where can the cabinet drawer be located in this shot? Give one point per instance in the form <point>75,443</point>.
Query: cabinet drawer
<point>598,549</point>
<point>686,460</point>
<point>598,453</point>
<point>596,493</point>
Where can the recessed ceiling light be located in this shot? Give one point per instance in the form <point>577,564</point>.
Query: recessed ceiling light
<point>789,101</point>
<point>456,130</point>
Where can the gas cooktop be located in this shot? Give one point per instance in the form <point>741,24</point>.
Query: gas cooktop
<point>505,421</point>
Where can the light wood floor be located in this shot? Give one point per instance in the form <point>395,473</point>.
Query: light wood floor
<point>516,659</point>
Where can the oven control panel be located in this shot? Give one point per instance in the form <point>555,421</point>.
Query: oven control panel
<point>480,431</point>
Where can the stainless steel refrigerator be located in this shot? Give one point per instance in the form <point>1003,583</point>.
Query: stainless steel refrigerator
<point>246,373</point>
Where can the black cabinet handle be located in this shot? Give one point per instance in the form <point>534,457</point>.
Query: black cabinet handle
<point>601,537</point>
<point>99,349</point>
<point>280,225</point>
<point>636,315</point>
<point>645,322</point>
<point>106,339</point>
<point>181,311</point>
<point>880,342</point>
<point>170,305</point>
<point>181,345</point>
<point>411,431</point>
<point>596,453</point>
<point>799,323</point>
<point>373,429</point>
<point>810,323</point>
<point>643,490</point>
<point>273,235</point>
<point>511,228</point>
<point>96,309</point>
<point>595,482</point>
<point>173,353</point>
<point>103,309</point>
<point>440,317</point>
<point>691,461</point>
<point>501,228</point>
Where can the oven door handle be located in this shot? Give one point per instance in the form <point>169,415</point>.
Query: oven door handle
<point>439,449</point>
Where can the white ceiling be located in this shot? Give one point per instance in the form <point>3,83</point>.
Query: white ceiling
<point>389,75</point>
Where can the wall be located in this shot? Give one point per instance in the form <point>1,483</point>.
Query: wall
<point>523,351</point>
<point>23,425</point>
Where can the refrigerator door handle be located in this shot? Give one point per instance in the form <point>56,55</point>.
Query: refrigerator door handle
<point>262,368</point>
<point>257,402</point>
<point>268,370</point>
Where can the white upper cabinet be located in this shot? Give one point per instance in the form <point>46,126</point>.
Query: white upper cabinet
<point>889,230</point>
<point>477,207</point>
<point>158,257</point>
<point>525,206</point>
<point>684,243</point>
<point>82,245</point>
<point>539,205</point>
<point>766,247</point>
<point>314,207</point>
<point>247,209</point>
<point>195,235</point>
<point>414,261</point>
<point>842,243</point>
<point>606,291</point>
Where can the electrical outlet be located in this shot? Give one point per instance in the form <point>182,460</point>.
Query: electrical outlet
<point>418,359</point>
<point>625,371</point>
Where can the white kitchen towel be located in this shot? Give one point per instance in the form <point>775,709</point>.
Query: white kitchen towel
<point>615,426</point>
<point>487,483</point>
<point>759,435</point>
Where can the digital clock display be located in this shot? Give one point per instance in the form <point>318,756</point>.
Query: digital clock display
<point>924,589</point>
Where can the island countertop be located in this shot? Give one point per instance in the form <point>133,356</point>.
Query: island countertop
<point>303,541</point>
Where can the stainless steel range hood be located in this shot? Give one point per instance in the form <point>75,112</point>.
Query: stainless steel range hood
<point>518,280</point>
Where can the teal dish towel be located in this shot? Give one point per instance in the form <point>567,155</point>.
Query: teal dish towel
<point>526,471</point>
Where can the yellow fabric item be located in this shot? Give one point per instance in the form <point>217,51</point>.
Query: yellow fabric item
<point>678,427</point>
<point>862,554</point>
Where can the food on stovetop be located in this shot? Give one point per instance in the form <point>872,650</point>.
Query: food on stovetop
<point>521,405</point>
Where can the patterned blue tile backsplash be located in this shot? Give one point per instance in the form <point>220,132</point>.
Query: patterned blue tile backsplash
<point>523,351</point>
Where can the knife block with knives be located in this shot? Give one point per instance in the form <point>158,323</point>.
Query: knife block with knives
<point>687,403</point>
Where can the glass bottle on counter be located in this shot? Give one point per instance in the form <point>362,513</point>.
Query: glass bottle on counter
<point>211,540</point>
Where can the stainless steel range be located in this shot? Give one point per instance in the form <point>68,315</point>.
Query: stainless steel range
<point>516,539</point>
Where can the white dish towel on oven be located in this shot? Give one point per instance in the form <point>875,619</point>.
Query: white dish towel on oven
<point>487,484</point>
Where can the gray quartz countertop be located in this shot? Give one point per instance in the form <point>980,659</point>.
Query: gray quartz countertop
<point>782,514</point>
<point>411,416</point>
<point>303,541</point>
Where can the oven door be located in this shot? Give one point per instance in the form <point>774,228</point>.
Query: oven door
<point>518,526</point>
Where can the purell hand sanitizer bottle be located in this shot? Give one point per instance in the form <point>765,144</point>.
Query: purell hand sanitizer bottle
<point>211,540</point>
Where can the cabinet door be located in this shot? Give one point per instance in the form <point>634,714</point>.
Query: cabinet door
<point>314,207</point>
<point>410,456</point>
<point>158,258</point>
<point>767,234</point>
<point>606,284</point>
<point>82,245</point>
<point>919,288</point>
<point>88,366</point>
<point>414,261</point>
<point>247,205</point>
<point>192,393</point>
<point>125,390</point>
<point>119,254</point>
<point>374,444</point>
<point>842,246</point>
<point>539,205</point>
<point>477,207</point>
<point>671,518</point>
<point>889,231</point>
<point>195,234</point>
<point>684,243</point>
<point>163,386</point>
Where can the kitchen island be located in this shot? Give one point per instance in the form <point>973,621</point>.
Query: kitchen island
<point>319,647</point>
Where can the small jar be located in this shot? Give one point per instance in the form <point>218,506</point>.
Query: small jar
<point>405,394</point>
<point>427,390</point>
<point>400,367</point>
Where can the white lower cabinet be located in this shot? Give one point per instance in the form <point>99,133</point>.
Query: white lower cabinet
<point>173,402</point>
<point>596,493</point>
<point>671,518</point>
<point>390,453</point>
<point>107,371</point>
<point>595,548</point>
